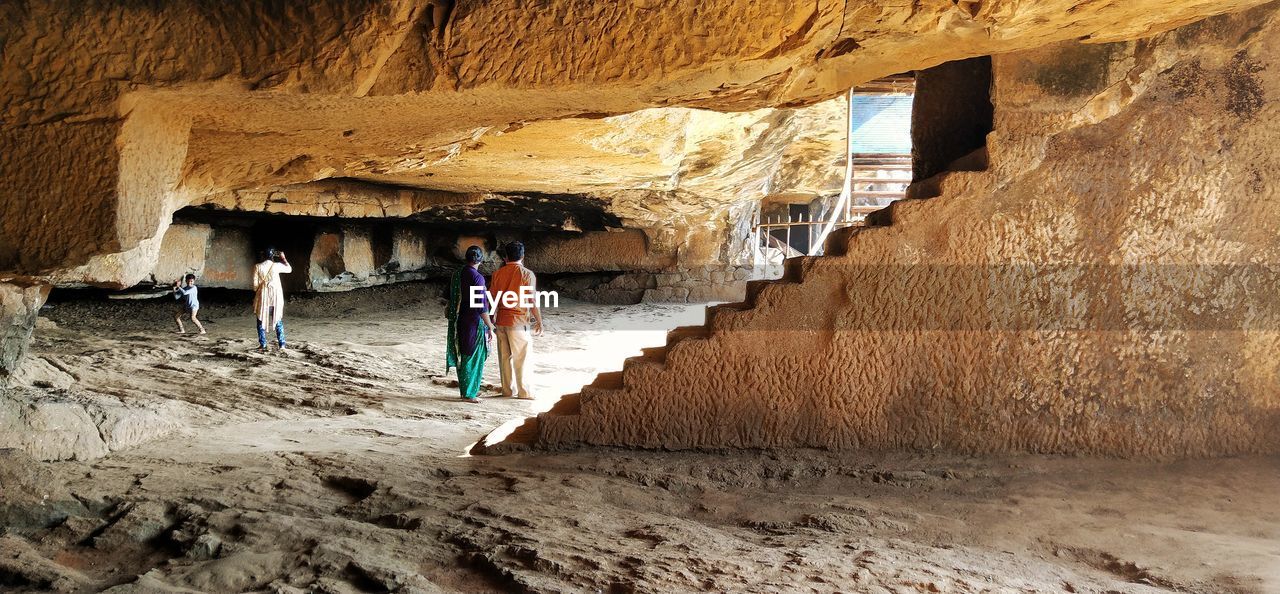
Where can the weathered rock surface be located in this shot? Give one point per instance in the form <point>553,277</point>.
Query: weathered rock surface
<point>348,254</point>
<point>1106,288</point>
<point>31,498</point>
<point>69,425</point>
<point>20,303</point>
<point>187,103</point>
<point>103,142</point>
<point>22,565</point>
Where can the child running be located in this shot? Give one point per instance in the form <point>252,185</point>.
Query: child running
<point>185,293</point>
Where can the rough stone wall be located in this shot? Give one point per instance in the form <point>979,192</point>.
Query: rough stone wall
<point>20,303</point>
<point>101,142</point>
<point>1107,287</point>
<point>333,198</point>
<point>357,252</point>
<point>699,285</point>
<point>597,251</point>
<point>229,261</point>
<point>408,249</point>
<point>182,251</point>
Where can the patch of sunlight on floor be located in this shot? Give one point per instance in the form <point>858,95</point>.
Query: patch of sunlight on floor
<point>592,339</point>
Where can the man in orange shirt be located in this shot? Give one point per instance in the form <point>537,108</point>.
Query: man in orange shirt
<point>516,322</point>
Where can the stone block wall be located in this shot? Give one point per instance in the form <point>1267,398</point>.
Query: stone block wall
<point>224,259</point>
<point>342,259</point>
<point>699,285</point>
<point>619,289</point>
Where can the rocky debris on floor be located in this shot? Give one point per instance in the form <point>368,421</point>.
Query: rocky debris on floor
<point>23,567</point>
<point>31,497</point>
<point>81,425</point>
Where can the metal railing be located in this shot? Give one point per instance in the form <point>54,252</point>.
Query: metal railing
<point>876,181</point>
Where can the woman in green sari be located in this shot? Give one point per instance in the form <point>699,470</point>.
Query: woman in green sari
<point>470,328</point>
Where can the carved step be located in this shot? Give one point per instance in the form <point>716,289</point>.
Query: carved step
<point>638,369</point>
<point>754,287</point>
<point>684,344</point>
<point>654,355</point>
<point>591,393</point>
<point>880,218</point>
<point>793,268</point>
<point>657,353</point>
<point>723,309</point>
<point>838,241</point>
<point>608,379</point>
<point>943,183</point>
<point>675,335</point>
<point>640,362</point>
<point>569,404</point>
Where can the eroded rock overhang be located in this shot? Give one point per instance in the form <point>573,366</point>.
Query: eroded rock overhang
<point>176,102</point>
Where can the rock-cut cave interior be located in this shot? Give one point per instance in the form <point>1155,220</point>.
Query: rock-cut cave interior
<point>831,296</point>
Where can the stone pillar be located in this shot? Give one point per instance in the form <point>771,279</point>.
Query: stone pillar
<point>408,249</point>
<point>357,252</point>
<point>20,303</point>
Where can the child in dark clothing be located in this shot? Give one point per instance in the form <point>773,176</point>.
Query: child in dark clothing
<point>186,294</point>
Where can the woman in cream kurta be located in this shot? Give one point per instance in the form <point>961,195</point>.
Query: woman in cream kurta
<point>268,296</point>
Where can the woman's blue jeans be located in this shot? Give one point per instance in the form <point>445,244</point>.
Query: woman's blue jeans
<point>262,334</point>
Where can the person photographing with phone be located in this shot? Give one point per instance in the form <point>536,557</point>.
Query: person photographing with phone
<point>268,295</point>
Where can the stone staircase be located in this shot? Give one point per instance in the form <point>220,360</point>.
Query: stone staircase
<point>684,342</point>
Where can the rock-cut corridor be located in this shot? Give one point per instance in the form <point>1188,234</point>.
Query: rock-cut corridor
<point>939,296</point>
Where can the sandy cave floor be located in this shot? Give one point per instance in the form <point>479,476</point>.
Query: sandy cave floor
<point>338,467</point>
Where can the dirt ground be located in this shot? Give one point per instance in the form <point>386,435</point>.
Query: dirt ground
<point>339,466</point>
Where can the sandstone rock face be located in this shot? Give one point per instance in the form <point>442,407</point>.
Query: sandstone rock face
<point>1105,288</point>
<point>207,103</point>
<point>33,498</point>
<point>619,250</point>
<point>20,303</point>
<point>182,252</point>
<point>229,260</point>
<point>103,142</point>
<point>78,426</point>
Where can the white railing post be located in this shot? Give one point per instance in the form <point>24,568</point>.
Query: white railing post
<point>847,191</point>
